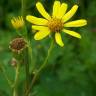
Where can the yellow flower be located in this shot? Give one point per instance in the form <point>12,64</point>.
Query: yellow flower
<point>17,22</point>
<point>56,23</point>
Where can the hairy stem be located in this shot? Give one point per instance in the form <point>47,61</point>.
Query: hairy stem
<point>26,62</point>
<point>23,2</point>
<point>26,55</point>
<point>16,81</point>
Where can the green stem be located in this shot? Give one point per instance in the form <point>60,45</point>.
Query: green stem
<point>27,69</point>
<point>30,55</point>
<point>41,67</point>
<point>46,59</point>
<point>18,33</point>
<point>16,81</point>
<point>23,2</point>
<point>27,55</point>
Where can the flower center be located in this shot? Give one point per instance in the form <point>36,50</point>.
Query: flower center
<point>55,25</point>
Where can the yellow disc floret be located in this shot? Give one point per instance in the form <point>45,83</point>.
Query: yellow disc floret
<point>55,25</point>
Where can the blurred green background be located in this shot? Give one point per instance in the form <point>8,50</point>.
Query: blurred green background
<point>71,71</point>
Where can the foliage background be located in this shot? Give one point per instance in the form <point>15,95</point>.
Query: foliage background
<point>71,71</point>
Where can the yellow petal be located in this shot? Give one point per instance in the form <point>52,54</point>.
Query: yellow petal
<point>70,13</point>
<point>62,10</point>
<point>56,7</point>
<point>12,21</point>
<point>59,39</point>
<point>17,22</point>
<point>42,11</point>
<point>35,20</point>
<point>72,33</point>
<point>39,27</point>
<point>76,23</point>
<point>41,34</point>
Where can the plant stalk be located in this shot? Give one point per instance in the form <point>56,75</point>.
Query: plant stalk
<point>41,67</point>
<point>16,81</point>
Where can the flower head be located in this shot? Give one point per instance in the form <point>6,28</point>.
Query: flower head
<point>17,45</point>
<point>14,62</point>
<point>17,22</point>
<point>56,23</point>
